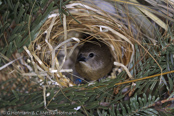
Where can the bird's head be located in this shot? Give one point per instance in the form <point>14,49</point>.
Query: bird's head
<point>93,60</point>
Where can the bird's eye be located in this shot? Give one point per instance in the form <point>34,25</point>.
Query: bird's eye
<point>91,55</point>
<point>79,55</point>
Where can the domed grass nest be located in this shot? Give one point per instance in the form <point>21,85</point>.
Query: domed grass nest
<point>57,40</point>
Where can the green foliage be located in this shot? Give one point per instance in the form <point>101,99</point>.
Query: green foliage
<point>136,106</point>
<point>20,21</point>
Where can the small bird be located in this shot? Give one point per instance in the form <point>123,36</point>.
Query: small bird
<point>94,61</point>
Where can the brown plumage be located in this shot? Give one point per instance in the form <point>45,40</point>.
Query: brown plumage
<point>94,61</point>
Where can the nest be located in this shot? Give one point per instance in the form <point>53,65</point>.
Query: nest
<point>58,40</point>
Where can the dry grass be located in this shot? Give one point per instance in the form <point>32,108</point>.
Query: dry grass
<point>55,38</point>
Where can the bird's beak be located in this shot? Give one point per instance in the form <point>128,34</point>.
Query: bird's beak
<point>81,58</point>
